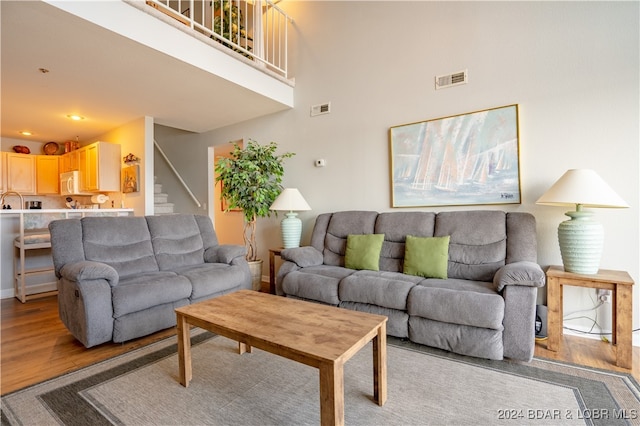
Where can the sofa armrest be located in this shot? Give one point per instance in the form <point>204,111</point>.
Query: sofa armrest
<point>519,273</point>
<point>518,336</point>
<point>88,270</point>
<point>303,256</point>
<point>224,253</point>
<point>285,268</point>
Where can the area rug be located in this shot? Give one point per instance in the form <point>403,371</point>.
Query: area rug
<point>425,386</point>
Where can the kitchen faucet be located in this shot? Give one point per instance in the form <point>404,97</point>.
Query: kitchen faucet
<point>4,195</point>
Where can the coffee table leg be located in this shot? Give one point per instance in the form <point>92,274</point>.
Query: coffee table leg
<point>184,350</point>
<point>243,348</point>
<point>380,365</point>
<point>331,394</point>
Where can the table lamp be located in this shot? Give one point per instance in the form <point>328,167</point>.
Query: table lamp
<point>290,200</point>
<point>581,238</point>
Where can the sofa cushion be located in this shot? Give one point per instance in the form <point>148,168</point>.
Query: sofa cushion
<point>396,226</point>
<point>386,289</point>
<point>363,251</point>
<point>209,279</point>
<point>176,241</point>
<point>478,245</point>
<point>462,339</point>
<point>339,226</point>
<point>121,242</point>
<point>457,302</point>
<point>141,323</point>
<point>397,321</point>
<point>143,291</point>
<point>426,256</point>
<point>521,246</point>
<point>318,283</point>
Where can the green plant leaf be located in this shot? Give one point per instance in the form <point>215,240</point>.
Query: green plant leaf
<point>251,180</point>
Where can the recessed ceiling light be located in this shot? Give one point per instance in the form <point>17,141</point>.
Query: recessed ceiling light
<point>26,133</point>
<point>75,117</point>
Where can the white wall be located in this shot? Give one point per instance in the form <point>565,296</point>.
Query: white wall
<point>132,138</point>
<point>179,147</point>
<point>571,66</point>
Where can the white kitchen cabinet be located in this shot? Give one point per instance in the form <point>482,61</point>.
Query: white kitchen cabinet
<point>21,173</point>
<point>99,165</point>
<point>47,174</point>
<point>3,171</point>
<point>69,161</point>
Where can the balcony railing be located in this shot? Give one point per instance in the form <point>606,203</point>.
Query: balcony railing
<point>256,29</point>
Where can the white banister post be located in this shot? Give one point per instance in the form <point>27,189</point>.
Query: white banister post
<point>258,32</point>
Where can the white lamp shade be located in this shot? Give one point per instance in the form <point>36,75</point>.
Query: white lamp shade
<point>584,187</point>
<point>290,199</point>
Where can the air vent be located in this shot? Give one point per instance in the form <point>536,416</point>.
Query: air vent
<point>450,80</point>
<point>321,109</point>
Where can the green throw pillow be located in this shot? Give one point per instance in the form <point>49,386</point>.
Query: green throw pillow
<point>363,251</point>
<point>426,256</point>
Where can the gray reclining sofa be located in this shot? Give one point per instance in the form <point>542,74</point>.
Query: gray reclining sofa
<point>121,278</point>
<point>481,302</point>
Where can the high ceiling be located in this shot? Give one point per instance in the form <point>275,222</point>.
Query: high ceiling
<point>107,78</point>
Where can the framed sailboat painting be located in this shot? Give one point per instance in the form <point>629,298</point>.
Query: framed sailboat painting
<point>466,159</point>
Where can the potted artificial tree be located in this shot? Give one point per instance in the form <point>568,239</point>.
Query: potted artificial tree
<point>251,181</point>
<point>228,22</point>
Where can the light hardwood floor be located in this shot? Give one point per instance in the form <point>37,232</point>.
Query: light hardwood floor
<point>35,346</point>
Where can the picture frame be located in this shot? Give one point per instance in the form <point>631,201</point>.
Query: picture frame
<point>130,179</point>
<point>459,160</point>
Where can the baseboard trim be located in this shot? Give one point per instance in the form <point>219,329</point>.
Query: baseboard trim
<point>7,293</point>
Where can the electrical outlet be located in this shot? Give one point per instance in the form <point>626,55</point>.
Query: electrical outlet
<point>604,295</point>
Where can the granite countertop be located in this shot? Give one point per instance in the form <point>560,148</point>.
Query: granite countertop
<point>10,211</point>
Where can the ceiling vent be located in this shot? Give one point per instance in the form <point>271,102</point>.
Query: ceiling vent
<point>450,80</point>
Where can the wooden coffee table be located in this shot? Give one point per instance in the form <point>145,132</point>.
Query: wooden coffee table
<point>317,335</point>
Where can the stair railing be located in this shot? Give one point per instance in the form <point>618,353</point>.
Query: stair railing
<point>176,173</point>
<point>257,29</point>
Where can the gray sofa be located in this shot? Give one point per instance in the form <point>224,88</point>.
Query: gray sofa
<point>485,307</point>
<point>121,278</point>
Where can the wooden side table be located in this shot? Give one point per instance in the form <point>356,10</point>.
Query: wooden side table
<point>273,252</point>
<point>621,286</point>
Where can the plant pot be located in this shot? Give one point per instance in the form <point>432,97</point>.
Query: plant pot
<point>255,267</point>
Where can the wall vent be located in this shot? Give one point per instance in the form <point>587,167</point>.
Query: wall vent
<point>321,109</point>
<point>450,80</point>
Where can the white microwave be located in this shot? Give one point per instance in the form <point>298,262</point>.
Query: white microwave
<point>70,183</point>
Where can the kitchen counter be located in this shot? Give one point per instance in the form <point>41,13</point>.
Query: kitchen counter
<point>40,218</point>
<point>33,211</point>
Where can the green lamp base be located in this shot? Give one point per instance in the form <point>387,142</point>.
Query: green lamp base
<point>291,228</point>
<point>581,240</point>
